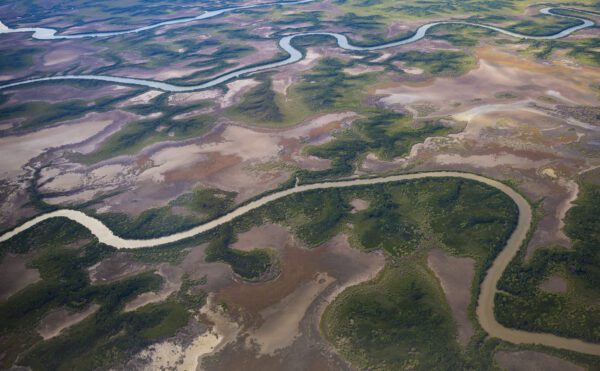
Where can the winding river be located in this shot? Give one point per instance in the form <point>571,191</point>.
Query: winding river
<point>285,43</point>
<point>485,306</point>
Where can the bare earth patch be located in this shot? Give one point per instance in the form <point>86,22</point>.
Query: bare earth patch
<point>58,320</point>
<point>266,235</point>
<point>282,324</point>
<point>15,276</point>
<point>528,360</point>
<point>16,151</point>
<point>359,205</point>
<point>114,268</point>
<point>235,89</point>
<point>172,283</point>
<point>281,317</point>
<point>174,355</point>
<point>554,284</point>
<point>456,277</point>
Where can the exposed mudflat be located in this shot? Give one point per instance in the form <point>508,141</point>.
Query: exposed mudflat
<point>554,284</point>
<point>114,268</point>
<point>15,276</point>
<point>282,316</point>
<point>171,283</point>
<point>61,319</point>
<point>266,235</point>
<point>528,360</point>
<point>456,277</point>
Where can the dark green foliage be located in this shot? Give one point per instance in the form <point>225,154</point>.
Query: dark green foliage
<point>463,35</point>
<point>259,104</point>
<point>324,212</point>
<point>356,22</point>
<point>542,25</point>
<point>247,264</point>
<point>576,313</point>
<point>107,336</point>
<point>429,8</point>
<point>110,335</point>
<point>439,62</point>
<point>388,134</point>
<point>383,226</point>
<point>471,217</point>
<point>343,153</point>
<point>135,135</point>
<point>39,114</point>
<point>325,84</point>
<point>17,58</point>
<point>204,204</point>
<point>207,201</point>
<point>398,321</point>
<point>583,50</point>
<point>583,227</point>
<point>313,17</point>
<point>150,223</point>
<point>394,221</point>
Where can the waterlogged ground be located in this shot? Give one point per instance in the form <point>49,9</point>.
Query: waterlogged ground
<point>287,286</point>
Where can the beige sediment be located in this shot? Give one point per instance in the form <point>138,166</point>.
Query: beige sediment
<point>456,278</point>
<point>485,307</point>
<point>57,321</point>
<point>175,356</point>
<point>283,319</point>
<point>15,276</point>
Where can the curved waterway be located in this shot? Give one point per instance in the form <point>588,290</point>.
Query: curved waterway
<point>285,43</point>
<point>41,33</point>
<point>485,306</point>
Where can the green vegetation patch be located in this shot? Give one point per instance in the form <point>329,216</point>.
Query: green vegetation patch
<point>584,51</point>
<point>576,313</point>
<point>35,115</point>
<point>164,126</point>
<point>248,264</point>
<point>202,203</point>
<point>388,134</point>
<point>327,87</point>
<point>17,59</point>
<point>543,25</point>
<point>64,253</point>
<point>206,201</point>
<point>259,105</point>
<point>437,63</point>
<point>399,321</point>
